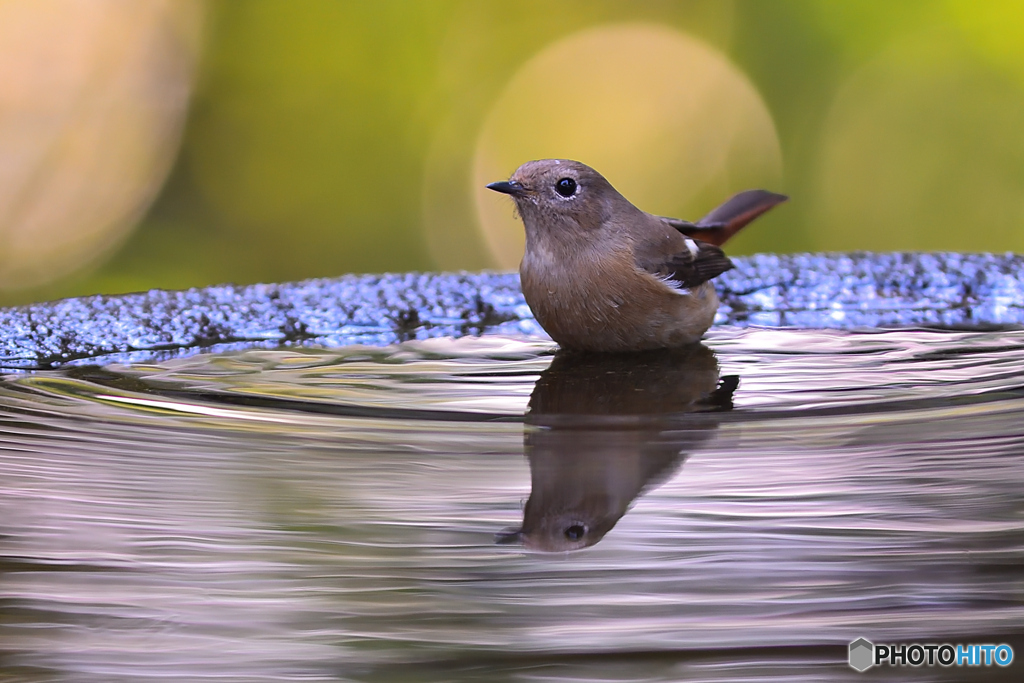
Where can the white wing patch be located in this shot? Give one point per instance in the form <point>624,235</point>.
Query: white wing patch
<point>673,284</point>
<point>692,246</point>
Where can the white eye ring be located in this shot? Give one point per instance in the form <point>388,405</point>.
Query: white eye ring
<point>567,188</point>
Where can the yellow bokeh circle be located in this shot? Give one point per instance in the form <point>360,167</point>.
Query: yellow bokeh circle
<point>666,118</point>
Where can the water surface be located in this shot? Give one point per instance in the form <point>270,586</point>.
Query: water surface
<point>739,511</point>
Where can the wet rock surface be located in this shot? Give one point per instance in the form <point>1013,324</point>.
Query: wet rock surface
<point>845,291</point>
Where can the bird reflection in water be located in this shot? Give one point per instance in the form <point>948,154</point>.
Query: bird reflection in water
<point>603,429</point>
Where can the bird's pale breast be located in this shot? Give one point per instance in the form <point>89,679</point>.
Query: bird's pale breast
<point>603,302</point>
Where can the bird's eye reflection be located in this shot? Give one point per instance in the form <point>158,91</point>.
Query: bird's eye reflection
<point>575,532</point>
<point>566,187</point>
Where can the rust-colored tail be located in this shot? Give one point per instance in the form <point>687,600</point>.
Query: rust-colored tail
<point>721,224</point>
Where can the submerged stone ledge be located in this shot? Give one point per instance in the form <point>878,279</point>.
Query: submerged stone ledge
<point>845,291</point>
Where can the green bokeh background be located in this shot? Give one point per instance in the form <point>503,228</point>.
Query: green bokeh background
<point>304,154</point>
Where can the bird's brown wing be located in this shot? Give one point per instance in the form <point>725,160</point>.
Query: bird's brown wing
<point>694,265</point>
<point>725,221</point>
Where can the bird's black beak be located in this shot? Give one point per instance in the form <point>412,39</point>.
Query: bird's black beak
<point>508,187</point>
<point>510,535</point>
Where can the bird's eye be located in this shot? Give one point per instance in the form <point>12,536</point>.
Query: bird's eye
<point>576,531</point>
<point>566,187</point>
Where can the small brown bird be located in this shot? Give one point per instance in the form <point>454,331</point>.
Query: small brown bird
<point>599,274</point>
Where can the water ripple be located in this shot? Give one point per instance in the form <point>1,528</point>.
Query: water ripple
<point>325,514</point>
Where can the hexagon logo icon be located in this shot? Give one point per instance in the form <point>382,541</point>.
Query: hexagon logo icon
<point>862,654</point>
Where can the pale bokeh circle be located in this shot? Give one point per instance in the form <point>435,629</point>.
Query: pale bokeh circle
<point>666,118</point>
<point>93,96</point>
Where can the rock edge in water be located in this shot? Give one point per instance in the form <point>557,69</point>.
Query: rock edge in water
<point>844,291</point>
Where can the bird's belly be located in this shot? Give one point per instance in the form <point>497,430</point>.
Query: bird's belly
<point>640,313</point>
